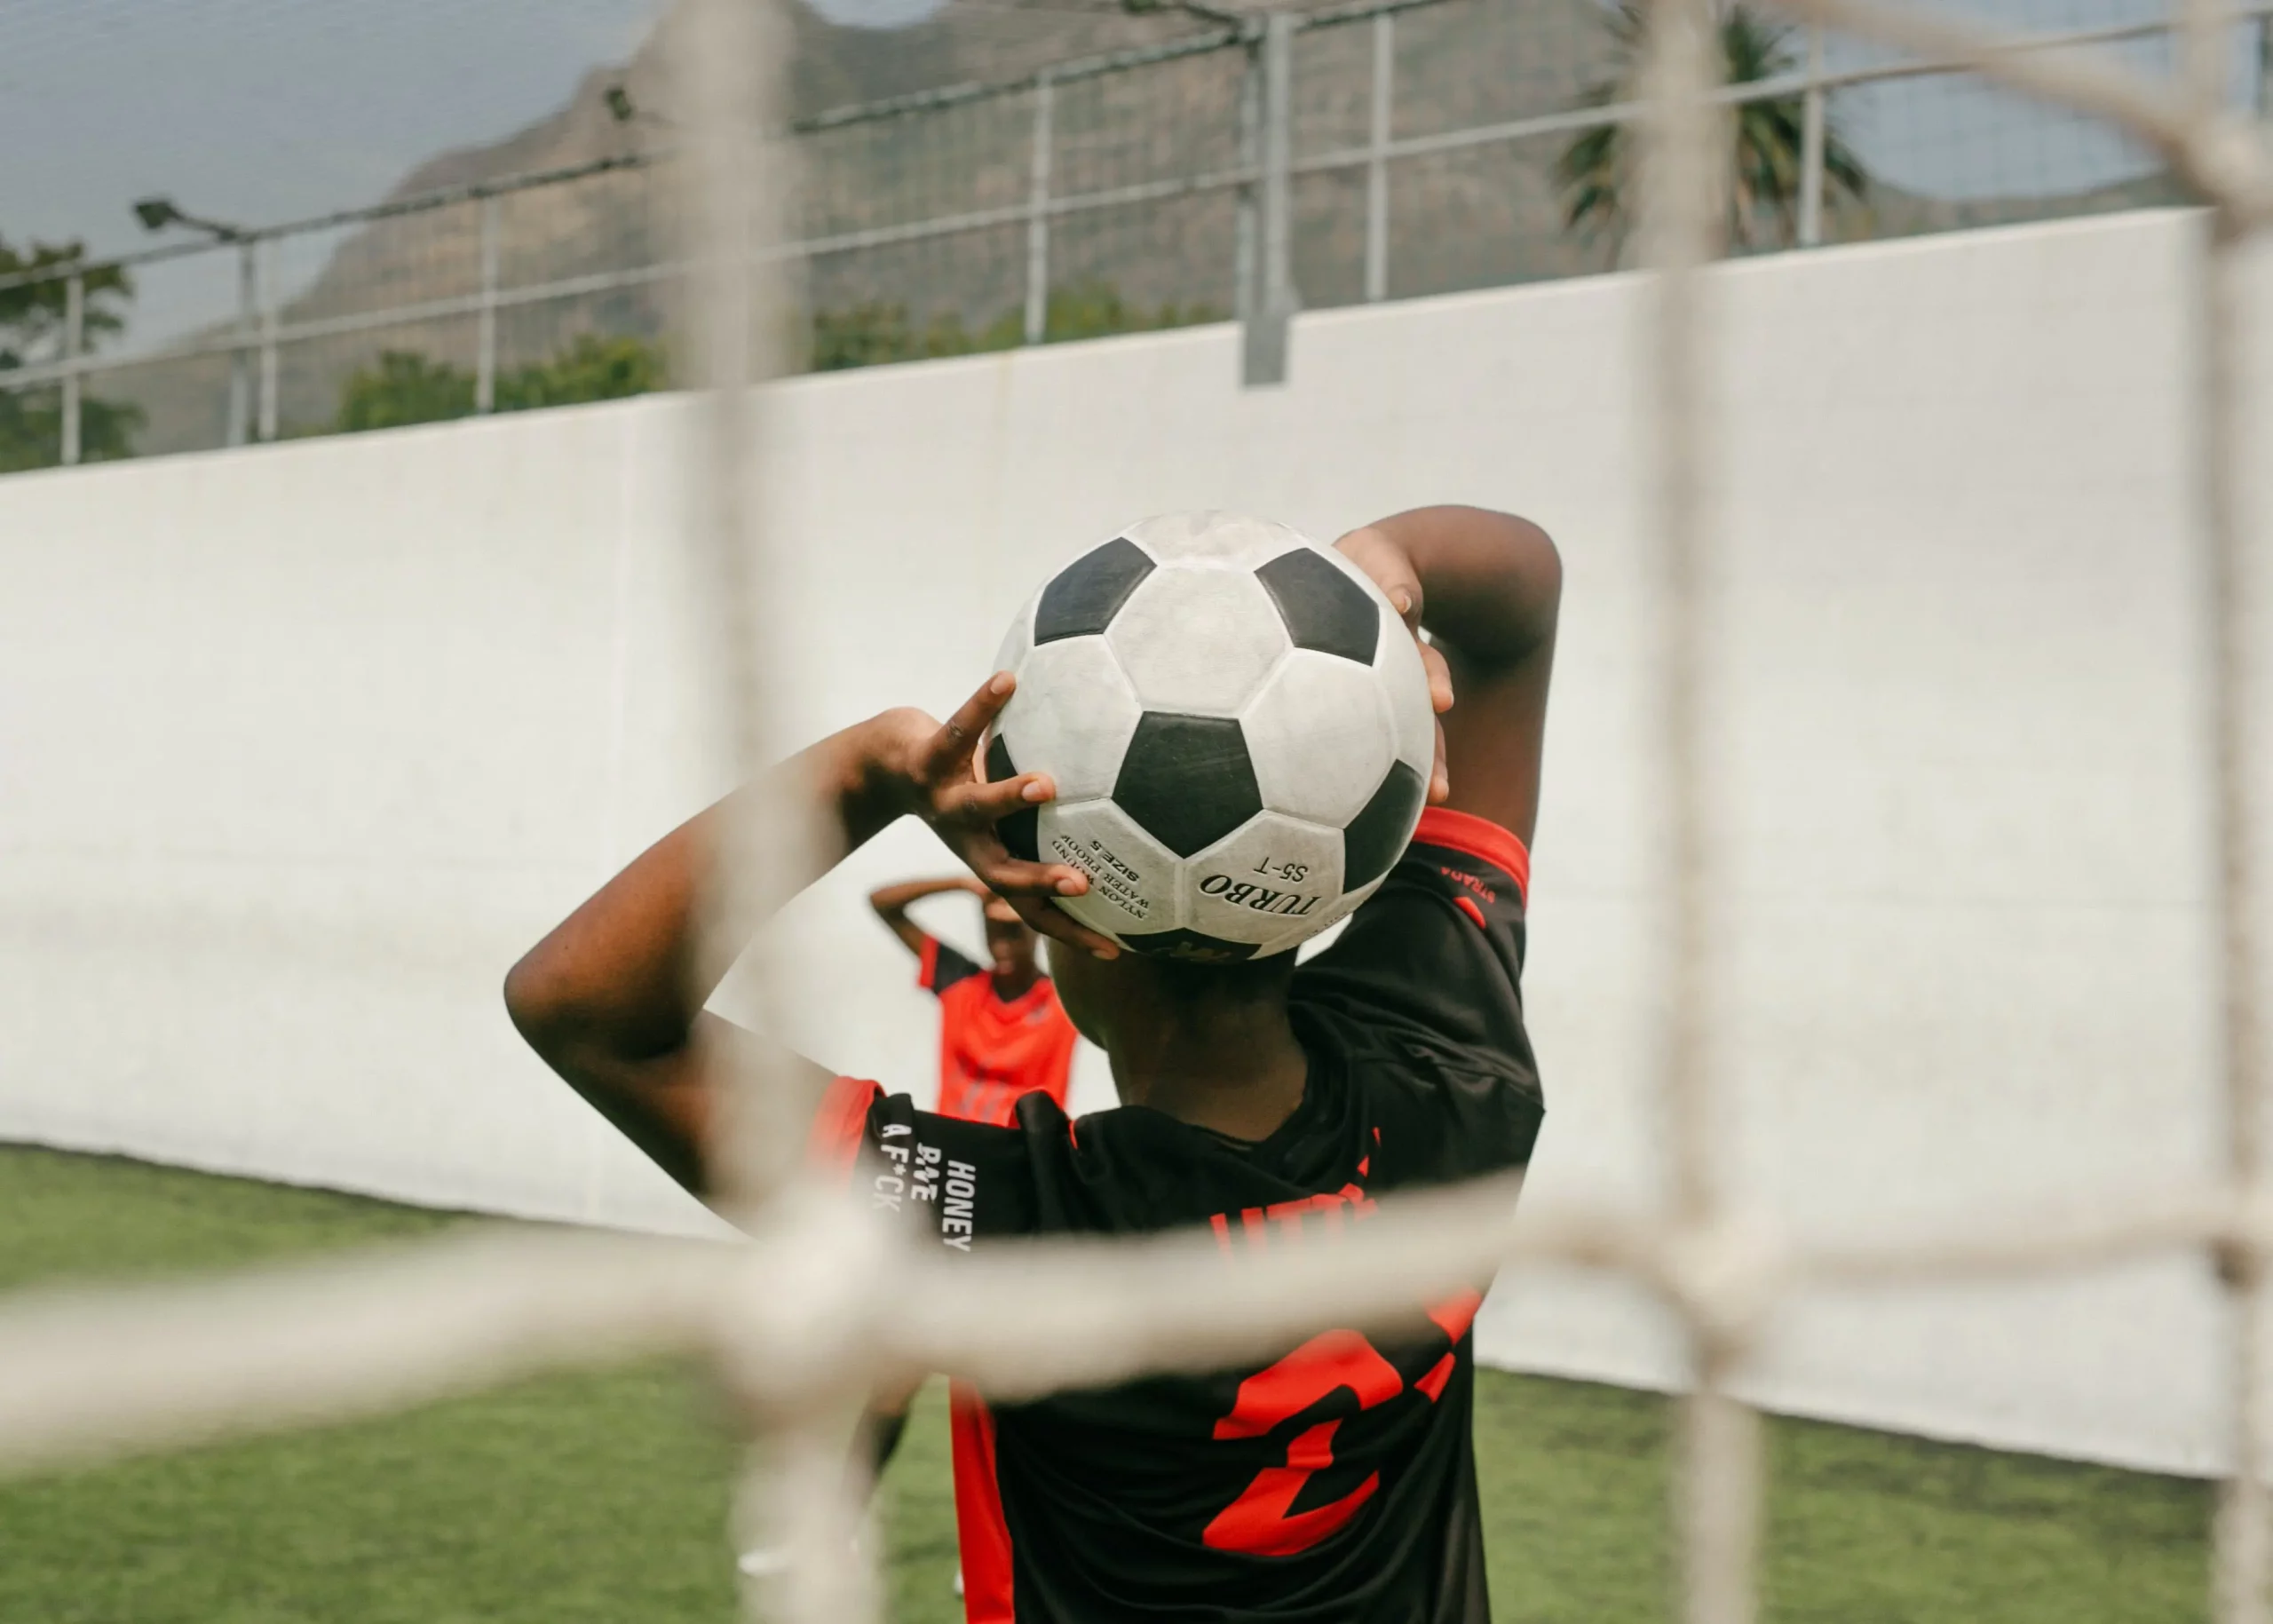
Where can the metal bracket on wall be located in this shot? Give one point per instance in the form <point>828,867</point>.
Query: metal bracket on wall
<point>1267,305</point>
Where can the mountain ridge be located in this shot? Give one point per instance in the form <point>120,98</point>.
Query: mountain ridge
<point>1468,218</point>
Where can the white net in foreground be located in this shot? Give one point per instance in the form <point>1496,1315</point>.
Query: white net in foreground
<point>821,1306</point>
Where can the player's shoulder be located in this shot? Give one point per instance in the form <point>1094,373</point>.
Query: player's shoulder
<point>1453,904</point>
<point>939,967</point>
<point>1425,983</point>
<point>1483,861</point>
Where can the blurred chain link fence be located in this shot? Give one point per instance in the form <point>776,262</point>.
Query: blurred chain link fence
<point>1378,150</point>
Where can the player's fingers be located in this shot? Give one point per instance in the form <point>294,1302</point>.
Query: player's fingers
<point>1390,569</point>
<point>1440,778</point>
<point>974,802</point>
<point>1014,879</point>
<point>1405,595</point>
<point>1440,677</point>
<point>1059,925</point>
<point>1032,888</point>
<point>950,752</point>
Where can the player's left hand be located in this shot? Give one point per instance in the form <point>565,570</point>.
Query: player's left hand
<point>1380,557</point>
<point>963,810</point>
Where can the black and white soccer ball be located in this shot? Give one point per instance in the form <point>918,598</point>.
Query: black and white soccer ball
<point>1239,729</point>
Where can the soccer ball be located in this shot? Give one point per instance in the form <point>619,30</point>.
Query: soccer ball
<point>1239,727</point>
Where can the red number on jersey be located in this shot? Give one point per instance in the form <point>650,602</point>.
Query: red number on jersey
<point>1262,1521</point>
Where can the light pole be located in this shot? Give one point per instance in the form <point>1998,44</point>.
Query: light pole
<point>157,213</point>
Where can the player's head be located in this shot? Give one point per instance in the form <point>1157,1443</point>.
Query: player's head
<point>1135,997</point>
<point>1010,941</point>
<point>1239,727</point>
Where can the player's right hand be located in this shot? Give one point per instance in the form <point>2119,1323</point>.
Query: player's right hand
<point>1376,552</point>
<point>963,808</point>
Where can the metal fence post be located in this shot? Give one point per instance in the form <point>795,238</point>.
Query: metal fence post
<point>74,332</point>
<point>1045,96</point>
<point>1811,136</point>
<point>1264,359</point>
<point>2265,66</point>
<point>241,358</point>
<point>485,361</point>
<point>1811,139</point>
<point>1378,163</point>
<point>269,317</point>
<point>1250,136</point>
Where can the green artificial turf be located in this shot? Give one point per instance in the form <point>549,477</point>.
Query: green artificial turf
<point>603,1497</point>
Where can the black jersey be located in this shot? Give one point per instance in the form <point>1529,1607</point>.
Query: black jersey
<point>1338,1483</point>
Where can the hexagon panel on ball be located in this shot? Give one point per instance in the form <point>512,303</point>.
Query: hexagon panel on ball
<point>1273,877</point>
<point>1133,878</point>
<point>1200,641</point>
<point>1216,539</point>
<point>1303,930</point>
<point>1072,717</point>
<point>1017,642</point>
<point>1320,737</point>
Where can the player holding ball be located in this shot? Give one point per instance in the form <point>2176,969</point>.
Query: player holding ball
<point>1211,739</point>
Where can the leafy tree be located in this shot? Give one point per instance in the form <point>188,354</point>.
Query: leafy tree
<point>876,332</point>
<point>31,332</point>
<point>1597,170</point>
<point>591,368</point>
<point>405,387</point>
<point>1094,309</point>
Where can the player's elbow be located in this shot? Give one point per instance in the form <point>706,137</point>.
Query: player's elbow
<point>1512,582</point>
<point>540,1002</point>
<point>1543,577</point>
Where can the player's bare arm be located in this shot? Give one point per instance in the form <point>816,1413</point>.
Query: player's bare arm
<point>612,998</point>
<point>891,903</point>
<point>1487,586</point>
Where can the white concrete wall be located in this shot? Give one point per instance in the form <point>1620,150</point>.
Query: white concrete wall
<point>299,746</point>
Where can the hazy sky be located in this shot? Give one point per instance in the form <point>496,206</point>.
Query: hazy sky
<point>261,110</point>
<point>265,109</point>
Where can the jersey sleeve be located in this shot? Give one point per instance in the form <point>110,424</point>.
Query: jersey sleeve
<point>1435,957</point>
<point>939,967</point>
<point>952,1181</point>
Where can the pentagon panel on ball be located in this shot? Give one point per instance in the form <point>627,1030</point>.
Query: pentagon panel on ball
<point>1188,780</point>
<point>1083,597</point>
<point>1377,837</point>
<point>1323,606</point>
<point>1239,727</point>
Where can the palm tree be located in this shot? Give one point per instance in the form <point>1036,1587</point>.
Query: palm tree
<point>1596,169</point>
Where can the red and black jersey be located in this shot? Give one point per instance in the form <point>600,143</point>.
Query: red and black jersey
<point>1337,1483</point>
<point>993,1049</point>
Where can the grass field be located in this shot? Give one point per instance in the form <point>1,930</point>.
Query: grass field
<point>603,1498</point>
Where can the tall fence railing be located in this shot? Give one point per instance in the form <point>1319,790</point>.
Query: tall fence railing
<point>1274,162</point>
